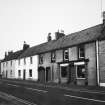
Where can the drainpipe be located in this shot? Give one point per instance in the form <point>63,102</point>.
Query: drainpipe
<point>97,60</point>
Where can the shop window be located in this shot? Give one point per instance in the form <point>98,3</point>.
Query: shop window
<point>30,73</point>
<point>66,54</point>
<point>64,71</point>
<point>40,59</point>
<point>31,60</point>
<point>53,56</point>
<point>19,73</point>
<point>81,71</point>
<point>81,52</point>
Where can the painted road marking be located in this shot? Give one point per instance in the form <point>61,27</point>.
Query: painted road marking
<point>4,95</point>
<point>102,101</point>
<point>33,89</point>
<point>13,85</point>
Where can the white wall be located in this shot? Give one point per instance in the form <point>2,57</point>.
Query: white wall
<point>8,67</point>
<point>27,66</point>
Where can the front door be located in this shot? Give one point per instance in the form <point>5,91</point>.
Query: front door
<point>24,74</point>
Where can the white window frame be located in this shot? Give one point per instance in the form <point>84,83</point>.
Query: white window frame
<point>66,50</point>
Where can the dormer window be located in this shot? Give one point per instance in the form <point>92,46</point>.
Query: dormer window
<point>53,56</point>
<point>66,55</point>
<point>81,52</point>
<point>40,59</point>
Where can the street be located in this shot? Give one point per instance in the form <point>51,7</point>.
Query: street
<point>40,94</point>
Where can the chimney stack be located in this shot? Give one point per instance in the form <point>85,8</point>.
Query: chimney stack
<point>49,38</point>
<point>103,18</point>
<point>25,46</point>
<point>59,34</point>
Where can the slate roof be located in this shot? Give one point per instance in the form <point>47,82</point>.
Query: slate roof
<point>13,56</point>
<point>84,36</point>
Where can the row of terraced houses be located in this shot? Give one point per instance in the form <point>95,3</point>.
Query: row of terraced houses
<point>77,58</point>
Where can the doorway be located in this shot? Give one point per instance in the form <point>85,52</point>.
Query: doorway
<point>41,74</point>
<point>48,74</point>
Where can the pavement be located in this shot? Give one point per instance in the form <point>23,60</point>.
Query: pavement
<point>53,94</point>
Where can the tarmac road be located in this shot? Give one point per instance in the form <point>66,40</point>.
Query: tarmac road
<point>40,94</point>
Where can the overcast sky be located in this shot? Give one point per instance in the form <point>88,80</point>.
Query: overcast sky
<point>32,20</point>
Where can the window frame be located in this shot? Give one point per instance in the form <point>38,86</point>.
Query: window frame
<point>40,59</point>
<point>79,52</point>
<point>53,57</point>
<point>24,61</point>
<point>19,73</point>
<point>18,61</point>
<point>30,73</point>
<point>31,60</point>
<point>11,62</point>
<point>64,51</point>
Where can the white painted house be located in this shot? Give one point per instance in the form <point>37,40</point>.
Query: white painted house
<point>26,68</point>
<point>8,64</point>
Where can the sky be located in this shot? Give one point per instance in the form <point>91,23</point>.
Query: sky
<point>32,20</point>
